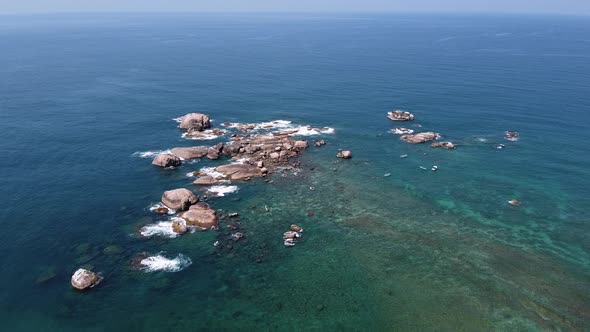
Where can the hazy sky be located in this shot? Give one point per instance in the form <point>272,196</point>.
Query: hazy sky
<point>509,6</point>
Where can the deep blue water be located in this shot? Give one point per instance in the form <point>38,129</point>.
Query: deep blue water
<point>417,250</point>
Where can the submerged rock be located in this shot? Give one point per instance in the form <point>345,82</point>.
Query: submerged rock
<point>344,154</point>
<point>83,279</point>
<point>398,115</point>
<point>444,145</point>
<point>420,137</point>
<point>166,160</point>
<point>179,227</point>
<point>179,199</point>
<point>194,121</point>
<point>511,135</point>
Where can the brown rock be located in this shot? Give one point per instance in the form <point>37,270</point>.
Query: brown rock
<point>179,199</point>
<point>195,121</point>
<point>301,144</point>
<point>205,180</point>
<point>444,145</point>
<point>420,137</point>
<point>200,215</point>
<point>345,154</point>
<point>274,155</point>
<point>214,151</point>
<point>83,279</point>
<point>296,228</point>
<point>239,171</point>
<point>179,227</point>
<point>191,152</point>
<point>166,160</point>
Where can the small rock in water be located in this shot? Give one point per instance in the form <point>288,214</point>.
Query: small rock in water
<point>216,244</point>
<point>434,168</point>
<point>83,279</point>
<point>310,213</point>
<point>386,175</point>
<point>500,146</point>
<point>345,154</point>
<point>403,156</point>
<point>161,210</point>
<point>312,188</point>
<point>236,236</point>
<point>234,214</point>
<point>514,202</point>
<point>296,228</point>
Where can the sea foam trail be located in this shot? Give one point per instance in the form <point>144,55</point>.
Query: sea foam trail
<point>161,228</point>
<point>221,191</point>
<point>149,154</point>
<point>206,135</point>
<point>161,263</point>
<point>285,126</point>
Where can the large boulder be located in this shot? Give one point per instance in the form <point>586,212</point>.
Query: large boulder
<point>398,115</point>
<point>346,154</point>
<point>420,137</point>
<point>239,171</point>
<point>206,180</point>
<point>179,199</point>
<point>194,122</point>
<point>83,279</point>
<point>200,215</point>
<point>191,152</point>
<point>166,160</point>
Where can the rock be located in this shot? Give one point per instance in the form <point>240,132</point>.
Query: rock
<point>239,171</point>
<point>236,236</point>
<point>83,279</point>
<point>320,143</point>
<point>296,228</point>
<point>233,215</point>
<point>264,170</point>
<point>161,210</point>
<point>398,115</point>
<point>112,250</point>
<point>444,145</point>
<point>191,152</point>
<point>260,164</point>
<point>200,215</point>
<point>195,121</point>
<point>214,151</point>
<point>274,155</point>
<point>344,154</point>
<point>514,202</point>
<point>179,199</point>
<point>301,144</point>
<point>179,227</point>
<point>420,137</point>
<point>206,180</point>
<point>166,160</point>
<point>291,235</point>
<point>511,135</point>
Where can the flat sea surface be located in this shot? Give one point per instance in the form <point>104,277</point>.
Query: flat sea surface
<point>390,246</point>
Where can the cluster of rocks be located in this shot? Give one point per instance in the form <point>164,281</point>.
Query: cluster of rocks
<point>177,155</point>
<point>398,115</point>
<point>290,237</point>
<point>195,214</point>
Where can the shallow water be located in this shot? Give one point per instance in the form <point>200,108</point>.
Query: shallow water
<point>416,250</point>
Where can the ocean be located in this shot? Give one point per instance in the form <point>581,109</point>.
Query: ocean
<point>388,245</point>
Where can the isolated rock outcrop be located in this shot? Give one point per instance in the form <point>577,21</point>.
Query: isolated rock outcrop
<point>444,145</point>
<point>200,215</point>
<point>83,279</point>
<point>398,115</point>
<point>420,137</point>
<point>345,154</point>
<point>194,122</point>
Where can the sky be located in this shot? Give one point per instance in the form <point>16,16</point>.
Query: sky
<point>577,7</point>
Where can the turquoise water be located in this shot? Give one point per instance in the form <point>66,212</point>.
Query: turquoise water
<point>416,250</point>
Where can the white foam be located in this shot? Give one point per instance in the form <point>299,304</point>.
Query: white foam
<point>162,263</point>
<point>400,131</point>
<point>221,191</point>
<point>211,172</point>
<point>308,131</point>
<point>206,135</point>
<point>161,228</point>
<point>149,154</point>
